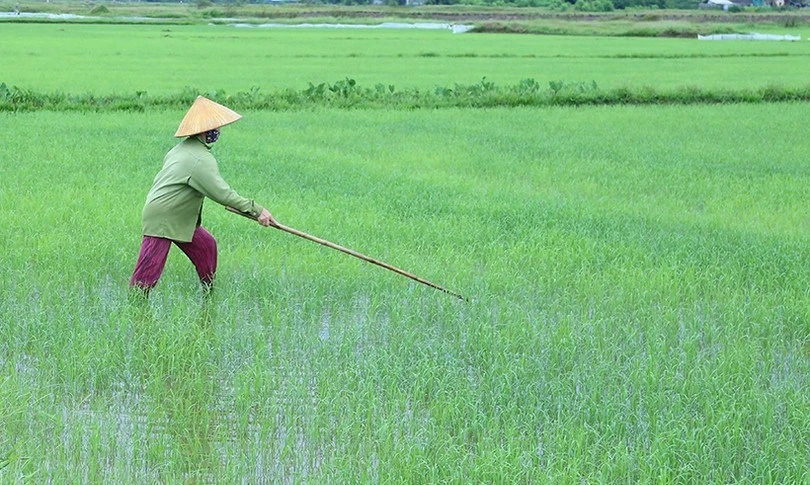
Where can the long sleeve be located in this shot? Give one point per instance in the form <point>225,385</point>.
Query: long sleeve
<point>189,175</point>
<point>206,179</point>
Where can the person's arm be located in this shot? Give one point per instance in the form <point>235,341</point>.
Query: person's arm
<point>206,179</point>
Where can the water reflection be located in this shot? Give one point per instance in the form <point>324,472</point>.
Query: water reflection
<point>177,366</point>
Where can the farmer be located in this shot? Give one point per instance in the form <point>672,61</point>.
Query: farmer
<point>173,209</point>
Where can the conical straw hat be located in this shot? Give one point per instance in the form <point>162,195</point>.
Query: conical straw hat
<point>205,115</point>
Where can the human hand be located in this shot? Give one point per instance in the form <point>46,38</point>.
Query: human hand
<point>267,219</point>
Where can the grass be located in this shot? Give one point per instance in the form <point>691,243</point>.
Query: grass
<point>156,60</point>
<point>638,313</point>
<point>347,94</point>
<point>639,305</point>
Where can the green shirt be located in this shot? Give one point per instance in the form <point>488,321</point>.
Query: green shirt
<point>174,203</point>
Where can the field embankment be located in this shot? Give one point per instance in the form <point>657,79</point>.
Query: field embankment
<point>347,93</point>
<point>543,21</point>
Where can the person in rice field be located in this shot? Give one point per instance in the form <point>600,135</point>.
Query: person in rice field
<point>173,210</point>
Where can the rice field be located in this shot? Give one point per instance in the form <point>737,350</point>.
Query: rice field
<point>638,296</point>
<point>158,60</point>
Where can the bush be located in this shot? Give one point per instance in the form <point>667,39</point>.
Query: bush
<point>346,93</point>
<point>790,22</point>
<point>594,6</point>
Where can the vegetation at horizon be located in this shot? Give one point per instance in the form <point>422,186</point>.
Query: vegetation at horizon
<point>675,18</point>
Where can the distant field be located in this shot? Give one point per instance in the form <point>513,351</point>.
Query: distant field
<point>106,59</point>
<point>644,22</point>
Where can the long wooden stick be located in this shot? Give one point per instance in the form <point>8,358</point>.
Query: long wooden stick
<point>350,252</point>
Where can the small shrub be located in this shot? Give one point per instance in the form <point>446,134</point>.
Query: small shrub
<point>347,93</point>
<point>558,5</point>
<point>344,88</point>
<point>213,13</point>
<point>790,22</point>
<point>594,6</point>
<point>528,86</point>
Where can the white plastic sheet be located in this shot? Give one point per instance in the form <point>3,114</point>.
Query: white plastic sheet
<point>752,36</point>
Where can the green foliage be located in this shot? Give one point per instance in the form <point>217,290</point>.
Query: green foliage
<point>348,93</point>
<point>345,88</point>
<point>528,87</point>
<point>594,5</point>
<point>131,58</point>
<point>790,22</point>
<point>558,87</point>
<point>558,5</point>
<point>529,3</point>
<point>99,10</point>
<point>212,13</point>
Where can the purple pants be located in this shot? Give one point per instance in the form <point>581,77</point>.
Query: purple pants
<point>202,251</point>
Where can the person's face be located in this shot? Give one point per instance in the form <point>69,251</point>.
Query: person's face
<point>211,136</point>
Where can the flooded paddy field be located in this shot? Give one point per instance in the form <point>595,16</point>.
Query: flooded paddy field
<point>638,305</point>
<point>152,59</point>
<point>634,292</point>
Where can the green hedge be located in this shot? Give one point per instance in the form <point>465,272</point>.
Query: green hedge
<point>347,93</point>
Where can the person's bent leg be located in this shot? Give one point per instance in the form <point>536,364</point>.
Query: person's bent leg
<point>151,261</point>
<point>202,251</point>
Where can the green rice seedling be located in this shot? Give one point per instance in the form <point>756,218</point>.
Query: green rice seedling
<point>638,301</point>
<point>155,59</point>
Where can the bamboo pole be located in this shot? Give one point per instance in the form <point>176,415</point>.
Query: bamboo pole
<point>350,252</point>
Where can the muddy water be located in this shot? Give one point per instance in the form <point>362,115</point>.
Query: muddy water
<point>455,28</point>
